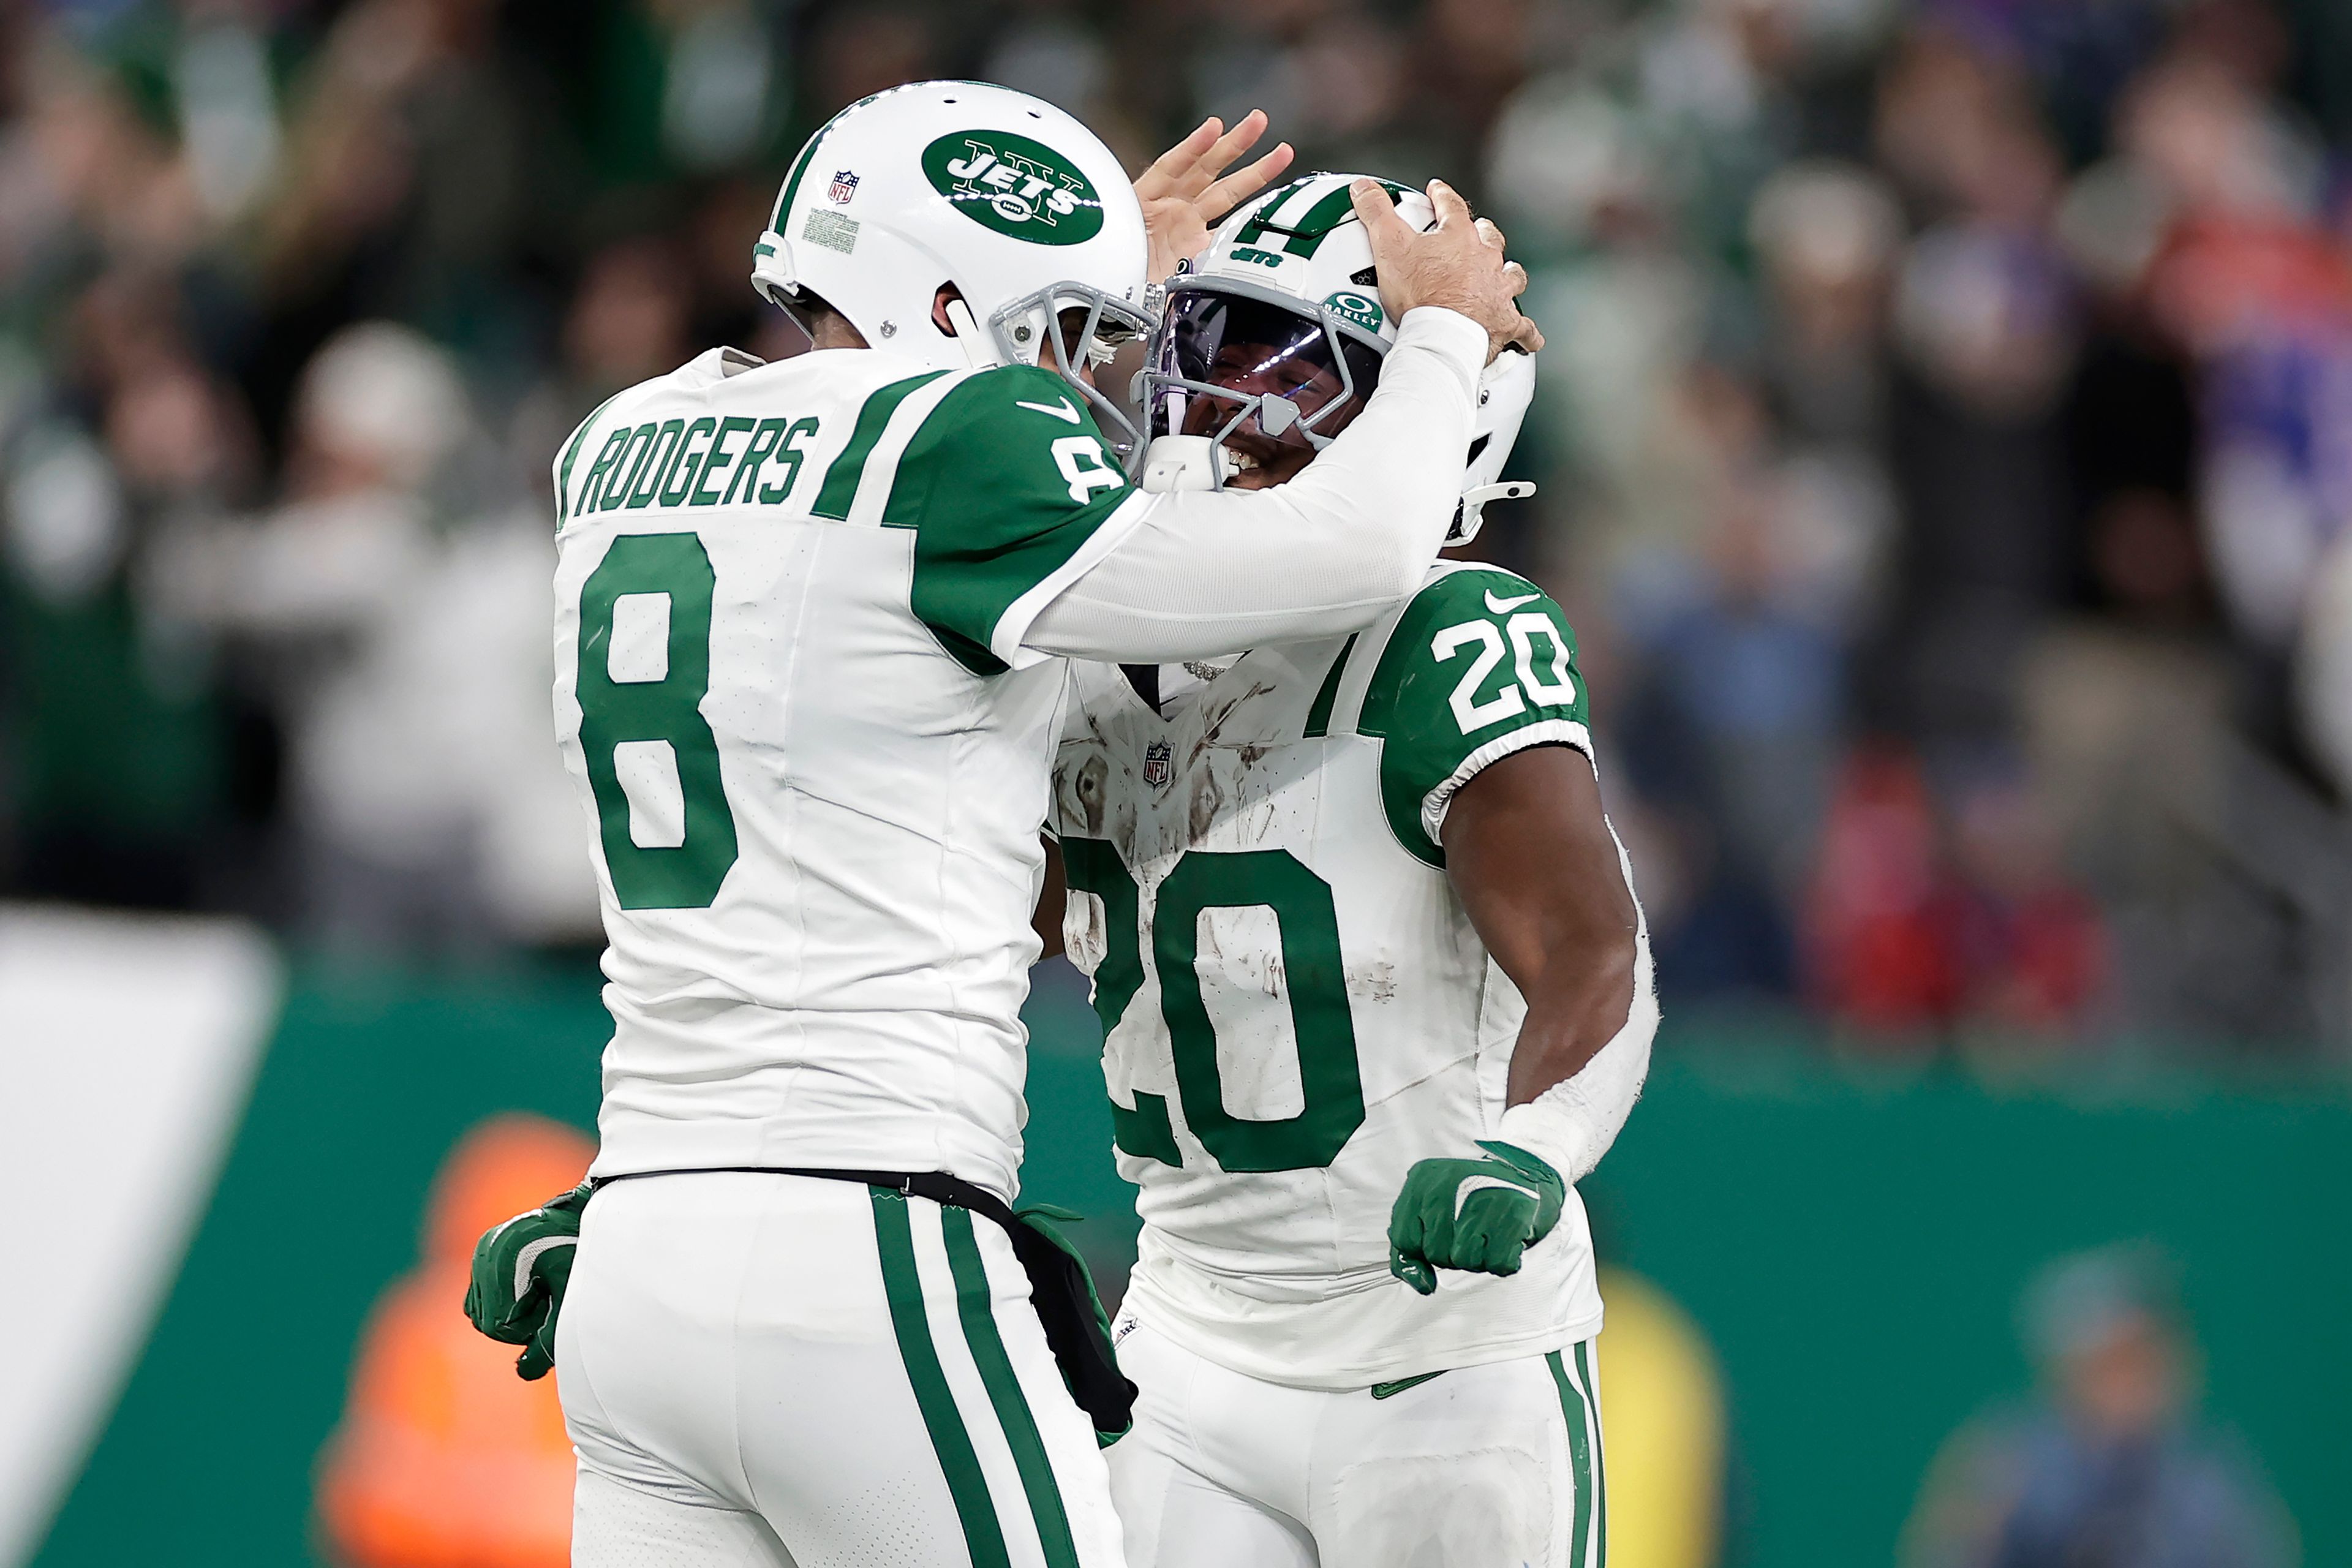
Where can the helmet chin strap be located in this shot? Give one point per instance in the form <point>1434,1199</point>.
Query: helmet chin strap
<point>967,333</point>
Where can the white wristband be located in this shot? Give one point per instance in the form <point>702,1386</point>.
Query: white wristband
<point>1571,1124</point>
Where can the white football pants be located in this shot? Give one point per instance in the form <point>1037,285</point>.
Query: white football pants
<point>1486,1466</point>
<point>779,1371</point>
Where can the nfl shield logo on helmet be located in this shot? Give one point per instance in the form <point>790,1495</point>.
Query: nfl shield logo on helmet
<point>844,185</point>
<point>1159,763</point>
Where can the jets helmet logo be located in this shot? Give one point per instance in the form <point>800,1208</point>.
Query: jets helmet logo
<point>1159,763</point>
<point>844,185</point>
<point>1014,185</point>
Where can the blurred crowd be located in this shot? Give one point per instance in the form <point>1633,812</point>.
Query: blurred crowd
<point>1945,444</point>
<point>2111,1461</point>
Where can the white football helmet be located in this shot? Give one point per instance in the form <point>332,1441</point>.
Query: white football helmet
<point>1276,333</point>
<point>1003,194</point>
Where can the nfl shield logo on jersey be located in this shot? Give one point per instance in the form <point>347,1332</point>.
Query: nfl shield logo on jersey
<point>1159,763</point>
<point>844,185</point>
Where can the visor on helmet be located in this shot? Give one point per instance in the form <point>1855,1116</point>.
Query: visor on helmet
<point>1223,351</point>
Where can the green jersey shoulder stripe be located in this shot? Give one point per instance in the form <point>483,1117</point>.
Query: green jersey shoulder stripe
<point>1318,713</point>
<point>967,1485</point>
<point>571,455</point>
<point>1351,680</point>
<point>975,1306</point>
<point>990,451</point>
<point>1011,492</point>
<point>835,497</point>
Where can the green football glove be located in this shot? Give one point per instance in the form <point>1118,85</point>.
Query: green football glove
<point>521,1268</point>
<point>1478,1214</point>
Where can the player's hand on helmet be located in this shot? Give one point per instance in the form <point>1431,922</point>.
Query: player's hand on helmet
<point>1458,264</point>
<point>1474,1214</point>
<point>520,1269</point>
<point>1187,191</point>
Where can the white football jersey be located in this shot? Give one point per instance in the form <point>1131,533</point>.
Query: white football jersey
<point>1296,1006</point>
<point>813,755</point>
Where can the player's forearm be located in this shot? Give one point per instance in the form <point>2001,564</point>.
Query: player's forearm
<point>1581,1061</point>
<point>1213,572</point>
<point>1581,956</point>
<point>1580,1008</point>
<point>1545,882</point>
<point>1582,1055</point>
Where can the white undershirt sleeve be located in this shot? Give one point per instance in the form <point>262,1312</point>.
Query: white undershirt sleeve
<point>1202,573</point>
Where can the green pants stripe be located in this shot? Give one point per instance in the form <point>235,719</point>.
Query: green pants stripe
<point>973,1304</point>
<point>1583,1448</point>
<point>1600,1457</point>
<point>894,1233</point>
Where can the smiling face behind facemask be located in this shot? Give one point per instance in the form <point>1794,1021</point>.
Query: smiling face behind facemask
<point>1226,355</point>
<point>1252,371</point>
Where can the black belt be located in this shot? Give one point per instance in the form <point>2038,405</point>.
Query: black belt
<point>1076,1328</point>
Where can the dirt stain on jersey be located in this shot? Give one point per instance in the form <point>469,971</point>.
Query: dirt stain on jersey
<point>1088,790</point>
<point>1091,939</point>
<point>1257,784</point>
<point>1208,798</point>
<point>1375,983</point>
<point>1246,969</point>
<point>1214,722</point>
<point>1277,975</point>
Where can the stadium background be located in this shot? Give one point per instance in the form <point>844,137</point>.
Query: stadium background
<point>1946,449</point>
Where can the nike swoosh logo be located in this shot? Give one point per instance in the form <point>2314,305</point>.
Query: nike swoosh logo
<point>1061,410</point>
<point>1385,1390</point>
<point>1497,606</point>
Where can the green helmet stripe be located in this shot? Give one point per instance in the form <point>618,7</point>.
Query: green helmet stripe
<point>1319,220</point>
<point>1295,200</point>
<point>1306,233</point>
<point>801,164</point>
<point>1266,207</point>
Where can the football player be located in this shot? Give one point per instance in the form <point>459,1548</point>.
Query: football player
<point>1375,987</point>
<point>809,630</point>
